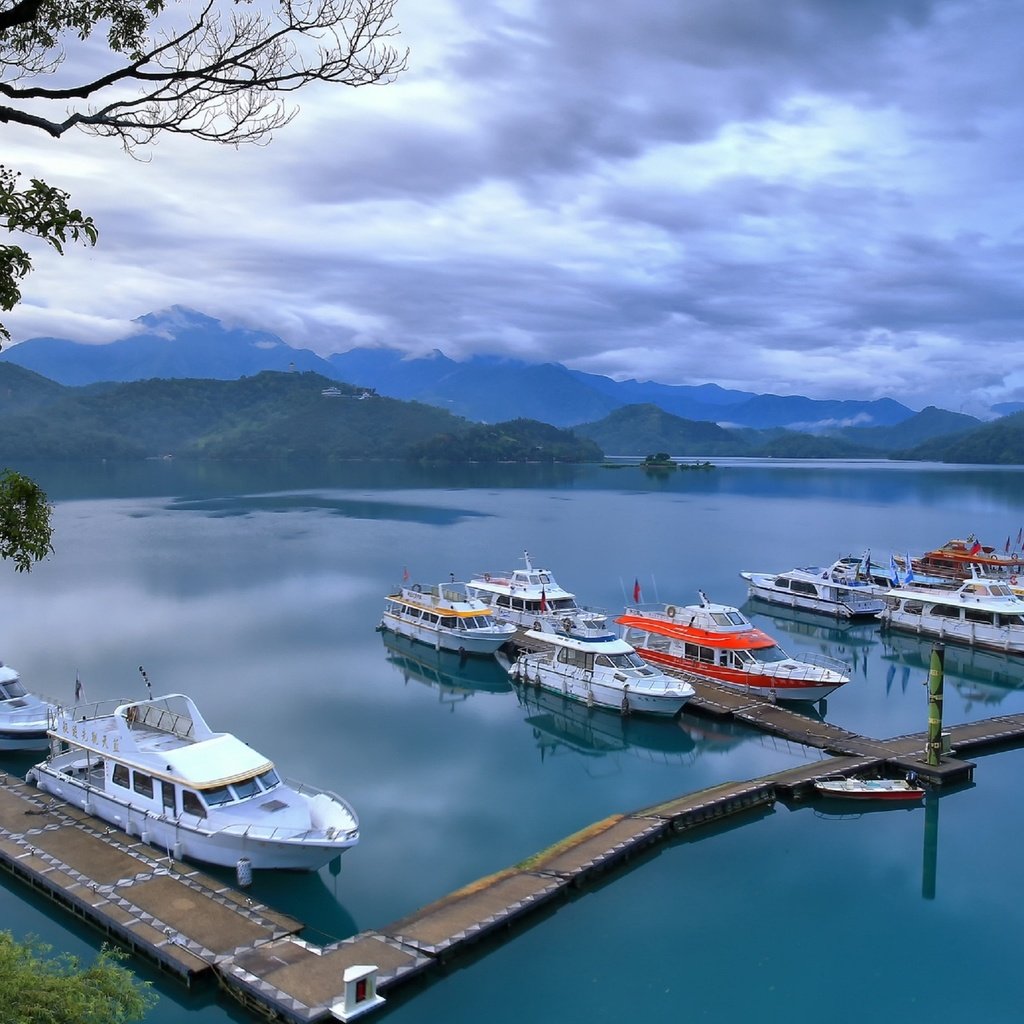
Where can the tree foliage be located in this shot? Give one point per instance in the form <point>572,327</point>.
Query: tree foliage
<point>25,529</point>
<point>36,988</point>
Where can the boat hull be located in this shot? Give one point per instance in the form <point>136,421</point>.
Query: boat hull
<point>24,739</point>
<point>797,684</point>
<point>969,634</point>
<point>444,639</point>
<point>884,790</point>
<point>174,839</point>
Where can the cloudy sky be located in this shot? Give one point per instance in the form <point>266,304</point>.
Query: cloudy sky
<point>816,197</point>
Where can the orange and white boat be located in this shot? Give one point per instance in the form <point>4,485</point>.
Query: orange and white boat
<point>718,642</point>
<point>955,559</point>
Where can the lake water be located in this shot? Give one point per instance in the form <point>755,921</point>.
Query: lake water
<point>257,590</point>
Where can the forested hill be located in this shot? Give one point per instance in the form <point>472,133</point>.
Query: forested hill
<point>269,415</point>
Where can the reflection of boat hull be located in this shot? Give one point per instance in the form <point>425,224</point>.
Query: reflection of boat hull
<point>446,669</point>
<point>600,731</point>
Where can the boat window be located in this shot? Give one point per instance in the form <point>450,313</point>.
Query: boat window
<point>191,804</point>
<point>431,618</point>
<point>564,604</point>
<point>803,587</point>
<point>627,660</point>
<point>518,603</point>
<point>120,776</point>
<point>768,655</point>
<point>245,789</point>
<point>1011,620</point>
<point>913,607</point>
<point>269,779</point>
<point>782,583</point>
<point>142,784</point>
<point>504,601</point>
<point>220,795</point>
<point>545,578</point>
<point>449,621</point>
<point>167,796</point>
<point>697,653</point>
<point>979,615</point>
<point>946,611</point>
<point>12,688</point>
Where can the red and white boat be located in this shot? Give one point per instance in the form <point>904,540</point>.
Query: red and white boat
<point>869,789</point>
<point>718,642</point>
<point>958,560</point>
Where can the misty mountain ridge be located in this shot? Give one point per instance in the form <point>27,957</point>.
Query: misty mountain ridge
<point>182,343</point>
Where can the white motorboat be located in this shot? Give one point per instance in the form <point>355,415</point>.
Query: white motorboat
<point>155,769</point>
<point>853,788</point>
<point>598,669</point>
<point>838,590</point>
<point>718,642</point>
<point>24,716</point>
<point>445,617</point>
<point>532,598</point>
<point>981,612</point>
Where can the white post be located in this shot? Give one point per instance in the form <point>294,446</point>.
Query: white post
<point>360,993</point>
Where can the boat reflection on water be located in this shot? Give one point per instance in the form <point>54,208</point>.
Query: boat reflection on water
<point>979,677</point>
<point>848,641</point>
<point>456,677</point>
<point>559,723</point>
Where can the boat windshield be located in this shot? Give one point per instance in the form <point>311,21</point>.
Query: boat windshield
<point>766,655</point>
<point>476,622</point>
<point>242,790</point>
<point>628,660</point>
<point>730,618</point>
<point>12,688</point>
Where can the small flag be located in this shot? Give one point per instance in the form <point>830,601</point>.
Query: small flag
<point>894,573</point>
<point>975,548</point>
<point>78,688</point>
<point>1020,536</point>
<point>636,591</point>
<point>1007,548</point>
<point>543,600</point>
<point>908,575</point>
<point>405,574</point>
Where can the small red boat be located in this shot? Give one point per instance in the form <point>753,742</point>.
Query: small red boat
<point>869,789</point>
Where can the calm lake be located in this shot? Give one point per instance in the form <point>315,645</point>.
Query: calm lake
<point>257,591</point>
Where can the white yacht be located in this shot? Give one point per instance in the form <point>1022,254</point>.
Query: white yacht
<point>598,669</point>
<point>155,769</point>
<point>445,617</point>
<point>838,590</point>
<point>532,598</point>
<point>982,612</point>
<point>24,716</point>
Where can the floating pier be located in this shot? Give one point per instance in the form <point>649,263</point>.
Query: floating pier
<point>192,925</point>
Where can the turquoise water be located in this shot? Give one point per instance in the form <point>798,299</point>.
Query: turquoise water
<point>257,591</point>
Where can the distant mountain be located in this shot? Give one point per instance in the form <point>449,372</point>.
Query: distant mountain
<point>176,342</point>
<point>182,343</point>
<point>519,440</point>
<point>1000,443</point>
<point>646,429</point>
<point>927,425</point>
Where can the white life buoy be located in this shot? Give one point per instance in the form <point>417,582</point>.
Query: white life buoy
<point>670,611</point>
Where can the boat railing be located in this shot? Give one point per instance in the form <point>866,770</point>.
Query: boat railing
<point>62,716</point>
<point>161,719</point>
<point>814,661</point>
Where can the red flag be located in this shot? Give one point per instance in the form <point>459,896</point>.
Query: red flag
<point>405,575</point>
<point>543,600</point>
<point>636,591</point>
<point>975,548</point>
<point>1007,545</point>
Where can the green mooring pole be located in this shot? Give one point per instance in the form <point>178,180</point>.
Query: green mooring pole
<point>934,745</point>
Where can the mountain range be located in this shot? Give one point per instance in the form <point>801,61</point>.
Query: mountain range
<point>180,342</point>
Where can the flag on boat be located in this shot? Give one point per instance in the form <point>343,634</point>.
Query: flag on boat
<point>975,548</point>
<point>543,600</point>
<point>78,688</point>
<point>894,573</point>
<point>636,591</point>
<point>1020,536</point>
<point>405,574</point>
<point>1007,548</point>
<point>908,575</point>
<point>865,564</point>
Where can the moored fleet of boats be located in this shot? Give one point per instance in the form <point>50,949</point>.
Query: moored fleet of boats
<point>155,768</point>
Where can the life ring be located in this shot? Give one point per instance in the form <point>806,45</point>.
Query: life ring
<point>567,623</point>
<point>417,589</point>
<point>670,611</point>
<point>487,577</point>
<point>537,625</point>
<point>1013,581</point>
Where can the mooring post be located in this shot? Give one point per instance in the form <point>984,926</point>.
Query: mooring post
<point>933,748</point>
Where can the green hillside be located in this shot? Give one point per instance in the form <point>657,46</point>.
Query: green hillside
<point>1000,443</point>
<point>927,425</point>
<point>640,429</point>
<point>519,440</point>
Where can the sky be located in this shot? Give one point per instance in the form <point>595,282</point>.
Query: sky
<point>816,197</point>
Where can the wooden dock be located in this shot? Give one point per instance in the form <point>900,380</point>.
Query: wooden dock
<point>191,924</point>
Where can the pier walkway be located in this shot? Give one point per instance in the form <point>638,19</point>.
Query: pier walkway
<point>192,925</point>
